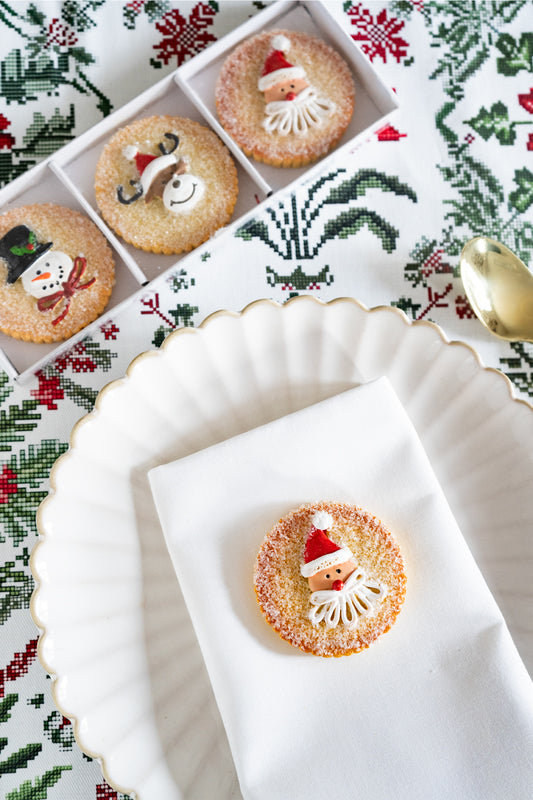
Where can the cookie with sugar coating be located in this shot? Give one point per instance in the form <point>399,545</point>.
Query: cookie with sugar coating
<point>329,578</point>
<point>57,272</point>
<point>285,97</point>
<point>166,184</point>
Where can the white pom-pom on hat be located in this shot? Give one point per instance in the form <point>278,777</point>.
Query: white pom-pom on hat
<point>130,151</point>
<point>281,42</point>
<point>322,520</point>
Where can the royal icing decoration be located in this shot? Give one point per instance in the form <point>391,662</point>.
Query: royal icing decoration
<point>342,593</point>
<point>292,105</point>
<point>48,275</point>
<point>166,176</point>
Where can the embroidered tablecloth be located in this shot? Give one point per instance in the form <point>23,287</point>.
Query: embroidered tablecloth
<point>455,160</point>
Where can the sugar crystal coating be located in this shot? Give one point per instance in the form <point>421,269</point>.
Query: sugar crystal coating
<point>76,235</point>
<point>283,594</point>
<point>241,106</point>
<point>149,225</point>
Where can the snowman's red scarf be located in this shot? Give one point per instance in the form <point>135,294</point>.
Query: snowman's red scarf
<point>71,285</point>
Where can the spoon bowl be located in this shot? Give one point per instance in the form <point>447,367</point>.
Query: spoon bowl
<point>499,288</point>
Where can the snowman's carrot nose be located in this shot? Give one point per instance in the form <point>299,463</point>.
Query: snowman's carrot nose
<point>43,277</point>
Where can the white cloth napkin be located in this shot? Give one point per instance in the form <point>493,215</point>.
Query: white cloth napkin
<point>441,706</point>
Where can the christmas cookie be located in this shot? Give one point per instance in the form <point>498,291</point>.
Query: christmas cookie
<point>330,579</point>
<point>56,272</point>
<point>166,184</point>
<point>285,97</point>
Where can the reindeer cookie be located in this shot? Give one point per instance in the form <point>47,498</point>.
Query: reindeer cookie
<point>329,578</point>
<point>165,184</point>
<point>56,272</point>
<point>285,97</point>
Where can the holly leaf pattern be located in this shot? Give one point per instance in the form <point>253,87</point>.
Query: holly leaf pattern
<point>496,121</point>
<point>522,198</point>
<point>516,55</point>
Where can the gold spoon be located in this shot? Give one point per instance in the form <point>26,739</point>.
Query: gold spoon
<point>499,288</point>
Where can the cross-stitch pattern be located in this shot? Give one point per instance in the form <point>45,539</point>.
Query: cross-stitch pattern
<point>385,223</point>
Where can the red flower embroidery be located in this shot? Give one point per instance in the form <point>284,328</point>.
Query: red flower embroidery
<point>526,101</point>
<point>18,666</point>
<point>530,142</point>
<point>110,331</point>
<point>389,134</point>
<point>105,792</point>
<point>4,122</point>
<point>60,35</point>
<point>8,484</point>
<point>377,36</point>
<point>49,391</point>
<point>463,309</point>
<point>136,6</point>
<point>6,141</point>
<point>184,38</point>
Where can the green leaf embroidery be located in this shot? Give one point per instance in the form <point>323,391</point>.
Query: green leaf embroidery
<point>522,197</point>
<point>38,789</point>
<point>15,592</point>
<point>516,55</point>
<point>496,121</point>
<point>6,705</point>
<point>348,223</point>
<point>17,421</point>
<point>21,758</point>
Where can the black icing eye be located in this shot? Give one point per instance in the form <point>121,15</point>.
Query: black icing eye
<point>327,576</point>
<point>176,184</point>
<point>338,570</point>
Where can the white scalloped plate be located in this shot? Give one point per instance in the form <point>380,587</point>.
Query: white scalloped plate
<point>116,635</point>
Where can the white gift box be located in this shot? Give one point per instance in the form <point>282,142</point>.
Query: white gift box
<point>67,177</point>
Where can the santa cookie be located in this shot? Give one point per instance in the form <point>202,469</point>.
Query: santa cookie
<point>56,272</point>
<point>166,184</point>
<point>330,579</point>
<point>285,97</point>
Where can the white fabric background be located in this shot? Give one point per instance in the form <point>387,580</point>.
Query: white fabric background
<point>439,707</point>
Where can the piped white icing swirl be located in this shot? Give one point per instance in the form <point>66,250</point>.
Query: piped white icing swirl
<point>307,110</point>
<point>357,599</point>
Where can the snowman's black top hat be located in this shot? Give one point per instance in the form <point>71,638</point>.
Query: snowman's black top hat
<point>20,248</point>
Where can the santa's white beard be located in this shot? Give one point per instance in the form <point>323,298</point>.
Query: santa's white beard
<point>357,599</point>
<point>307,110</point>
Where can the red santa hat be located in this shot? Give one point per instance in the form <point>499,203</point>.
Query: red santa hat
<point>276,67</point>
<point>320,552</point>
<point>148,166</point>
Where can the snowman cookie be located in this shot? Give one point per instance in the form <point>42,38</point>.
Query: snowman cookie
<point>285,97</point>
<point>166,184</point>
<point>330,579</point>
<point>56,272</point>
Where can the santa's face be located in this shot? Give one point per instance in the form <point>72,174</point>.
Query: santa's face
<point>46,275</point>
<point>285,90</point>
<point>332,577</point>
<point>183,192</point>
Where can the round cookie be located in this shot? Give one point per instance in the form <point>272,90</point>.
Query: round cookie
<point>285,97</point>
<point>56,272</point>
<point>166,184</point>
<point>329,578</point>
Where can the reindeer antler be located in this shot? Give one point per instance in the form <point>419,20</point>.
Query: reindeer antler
<point>127,200</point>
<point>173,138</point>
